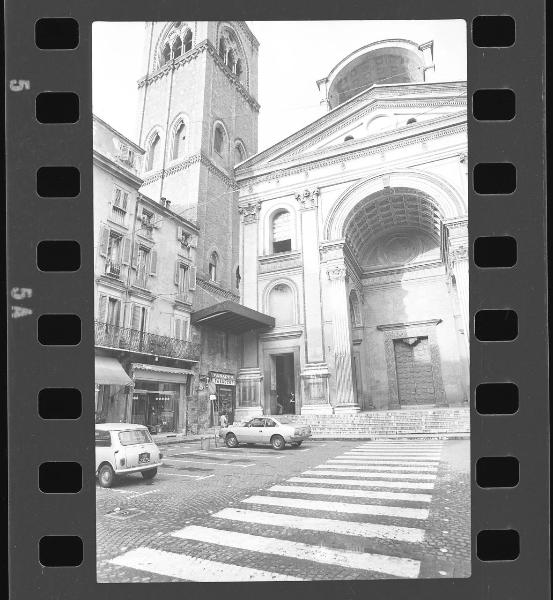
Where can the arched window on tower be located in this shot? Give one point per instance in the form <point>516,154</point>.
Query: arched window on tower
<point>239,68</point>
<point>177,47</point>
<point>212,268</point>
<point>281,305</point>
<point>411,120</point>
<point>153,153</point>
<point>219,139</point>
<point>179,138</point>
<point>239,153</point>
<point>231,60</point>
<point>166,53</point>
<point>222,48</point>
<point>281,231</point>
<point>187,41</point>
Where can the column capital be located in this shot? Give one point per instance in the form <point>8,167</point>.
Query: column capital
<point>337,272</point>
<point>250,212</point>
<point>308,198</point>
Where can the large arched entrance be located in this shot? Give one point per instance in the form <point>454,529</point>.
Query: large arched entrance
<point>408,348</point>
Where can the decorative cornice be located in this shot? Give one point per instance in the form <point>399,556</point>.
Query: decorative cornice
<point>193,54</point>
<point>283,333</point>
<point>354,155</point>
<point>383,104</point>
<point>210,287</point>
<point>308,198</point>
<point>199,157</point>
<point>428,322</point>
<point>380,91</point>
<point>250,212</point>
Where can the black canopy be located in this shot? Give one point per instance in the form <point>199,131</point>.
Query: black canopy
<point>231,316</point>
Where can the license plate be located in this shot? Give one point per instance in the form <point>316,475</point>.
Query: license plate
<point>144,457</point>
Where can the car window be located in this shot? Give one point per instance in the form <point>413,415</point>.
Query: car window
<point>134,436</point>
<point>270,423</point>
<point>102,439</point>
<point>257,422</point>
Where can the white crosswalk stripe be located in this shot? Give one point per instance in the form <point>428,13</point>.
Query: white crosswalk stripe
<point>379,563</point>
<point>326,491</point>
<point>191,568</point>
<point>341,507</point>
<point>354,528</point>
<point>397,476</point>
<point>391,468</point>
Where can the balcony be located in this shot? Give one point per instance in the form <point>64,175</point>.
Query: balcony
<point>141,279</point>
<point>118,215</point>
<point>113,268</point>
<point>132,340</point>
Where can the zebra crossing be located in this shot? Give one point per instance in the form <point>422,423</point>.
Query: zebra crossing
<point>362,513</point>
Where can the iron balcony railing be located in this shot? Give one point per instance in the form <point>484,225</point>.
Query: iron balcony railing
<point>113,267</point>
<point>124,338</point>
<point>118,215</point>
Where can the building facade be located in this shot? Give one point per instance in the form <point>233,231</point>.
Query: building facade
<point>356,236</point>
<point>145,280</point>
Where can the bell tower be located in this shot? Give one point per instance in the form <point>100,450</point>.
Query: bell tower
<point>197,118</point>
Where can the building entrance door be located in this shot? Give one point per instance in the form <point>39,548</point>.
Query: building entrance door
<point>285,384</point>
<point>415,380</point>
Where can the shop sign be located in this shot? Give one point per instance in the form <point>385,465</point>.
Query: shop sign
<point>222,378</point>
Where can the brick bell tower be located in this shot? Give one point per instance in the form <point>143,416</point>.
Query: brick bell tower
<point>197,118</point>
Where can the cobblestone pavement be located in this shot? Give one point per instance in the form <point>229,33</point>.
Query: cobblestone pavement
<point>327,510</point>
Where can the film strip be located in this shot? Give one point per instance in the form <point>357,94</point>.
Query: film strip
<point>51,258</point>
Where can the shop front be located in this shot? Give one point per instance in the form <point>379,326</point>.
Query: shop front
<point>159,398</point>
<point>222,387</point>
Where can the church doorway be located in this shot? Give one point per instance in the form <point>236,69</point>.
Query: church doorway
<point>285,384</point>
<point>415,381</point>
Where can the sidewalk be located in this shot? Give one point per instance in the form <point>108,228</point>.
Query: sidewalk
<point>164,439</point>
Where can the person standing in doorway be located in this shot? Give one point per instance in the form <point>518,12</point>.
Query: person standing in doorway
<point>292,403</point>
<point>223,421</point>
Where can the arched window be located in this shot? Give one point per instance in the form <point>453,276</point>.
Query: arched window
<point>348,138</point>
<point>411,120</point>
<point>281,304</point>
<point>177,47</point>
<point>187,41</point>
<point>166,53</point>
<point>238,278</point>
<point>219,139</point>
<point>239,153</point>
<point>178,141</point>
<point>213,262</point>
<point>153,153</point>
<point>231,61</point>
<point>281,231</point>
<point>222,48</point>
<point>239,67</point>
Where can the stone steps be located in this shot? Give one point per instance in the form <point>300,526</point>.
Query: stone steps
<point>408,423</point>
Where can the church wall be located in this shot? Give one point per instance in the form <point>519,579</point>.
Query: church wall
<point>407,302</point>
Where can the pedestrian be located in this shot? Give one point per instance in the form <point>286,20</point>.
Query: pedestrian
<point>292,402</point>
<point>223,421</point>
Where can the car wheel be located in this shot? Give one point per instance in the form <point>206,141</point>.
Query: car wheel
<point>277,442</point>
<point>296,444</point>
<point>231,441</point>
<point>106,476</point>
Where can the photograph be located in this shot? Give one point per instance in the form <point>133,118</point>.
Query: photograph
<point>281,300</point>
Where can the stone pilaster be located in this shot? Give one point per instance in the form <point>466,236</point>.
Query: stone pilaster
<point>248,394</point>
<point>456,256</point>
<point>314,375</point>
<point>338,302</point>
<point>249,253</point>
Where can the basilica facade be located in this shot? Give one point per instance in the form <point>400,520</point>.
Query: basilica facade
<point>353,236</point>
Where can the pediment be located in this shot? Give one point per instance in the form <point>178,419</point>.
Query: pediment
<point>373,115</point>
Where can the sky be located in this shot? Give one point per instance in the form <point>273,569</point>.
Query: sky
<point>293,55</point>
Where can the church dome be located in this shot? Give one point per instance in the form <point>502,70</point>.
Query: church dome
<point>384,62</point>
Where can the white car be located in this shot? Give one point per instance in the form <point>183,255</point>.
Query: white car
<point>277,431</point>
<point>123,448</point>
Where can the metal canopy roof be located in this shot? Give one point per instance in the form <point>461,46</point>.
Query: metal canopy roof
<point>231,316</point>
